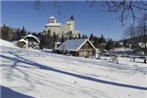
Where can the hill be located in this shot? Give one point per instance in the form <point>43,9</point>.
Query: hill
<point>135,40</point>
<point>27,73</point>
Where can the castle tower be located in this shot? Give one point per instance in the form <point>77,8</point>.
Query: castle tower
<point>52,19</point>
<point>72,24</point>
<point>52,26</point>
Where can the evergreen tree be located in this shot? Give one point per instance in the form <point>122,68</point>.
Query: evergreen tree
<point>23,32</point>
<point>54,37</point>
<point>18,34</point>
<point>42,41</point>
<point>53,40</point>
<point>4,32</point>
<point>84,37</point>
<point>125,43</point>
<point>79,36</point>
<point>91,38</point>
<point>34,33</point>
<point>95,41</point>
<point>117,44</point>
<point>110,44</point>
<point>62,39</point>
<point>102,39</point>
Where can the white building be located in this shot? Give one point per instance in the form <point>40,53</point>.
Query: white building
<point>67,29</point>
<point>29,41</point>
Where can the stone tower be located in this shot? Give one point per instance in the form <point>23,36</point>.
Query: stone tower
<point>72,24</point>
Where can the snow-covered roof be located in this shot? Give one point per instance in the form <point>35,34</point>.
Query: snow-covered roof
<point>73,45</point>
<point>53,24</point>
<point>68,23</point>
<point>30,35</point>
<point>52,17</point>
<point>22,40</point>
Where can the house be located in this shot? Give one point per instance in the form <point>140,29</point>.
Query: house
<point>22,43</point>
<point>33,41</point>
<point>29,41</point>
<point>77,47</point>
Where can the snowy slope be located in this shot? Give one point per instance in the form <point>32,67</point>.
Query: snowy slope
<point>25,73</point>
<point>7,44</point>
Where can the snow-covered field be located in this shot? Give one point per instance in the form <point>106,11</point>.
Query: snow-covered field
<point>27,73</point>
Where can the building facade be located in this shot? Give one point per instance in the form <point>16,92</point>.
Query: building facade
<point>66,30</point>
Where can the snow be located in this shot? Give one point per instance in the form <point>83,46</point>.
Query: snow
<point>142,45</point>
<point>25,74</point>
<point>7,44</point>
<point>68,23</point>
<point>30,35</point>
<point>121,50</point>
<point>22,40</point>
<point>52,17</point>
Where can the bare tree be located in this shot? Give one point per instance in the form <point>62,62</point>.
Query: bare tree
<point>143,30</point>
<point>125,8</point>
<point>134,32</point>
<point>130,32</point>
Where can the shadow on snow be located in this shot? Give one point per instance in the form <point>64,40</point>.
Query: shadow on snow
<point>17,59</point>
<point>9,93</point>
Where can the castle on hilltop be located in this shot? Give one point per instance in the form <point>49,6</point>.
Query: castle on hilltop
<point>66,30</point>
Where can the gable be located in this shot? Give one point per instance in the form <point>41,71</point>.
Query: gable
<point>87,45</point>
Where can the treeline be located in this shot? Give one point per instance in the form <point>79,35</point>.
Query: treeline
<point>12,34</point>
<point>48,41</point>
<point>103,43</point>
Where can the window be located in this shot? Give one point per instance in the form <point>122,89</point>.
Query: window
<point>81,53</point>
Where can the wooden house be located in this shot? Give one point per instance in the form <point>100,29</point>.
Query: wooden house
<point>78,47</point>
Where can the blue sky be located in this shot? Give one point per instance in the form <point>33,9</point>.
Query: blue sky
<point>88,19</point>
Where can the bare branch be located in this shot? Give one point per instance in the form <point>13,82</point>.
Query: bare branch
<point>124,8</point>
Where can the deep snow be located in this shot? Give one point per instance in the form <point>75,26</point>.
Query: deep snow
<point>28,73</point>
